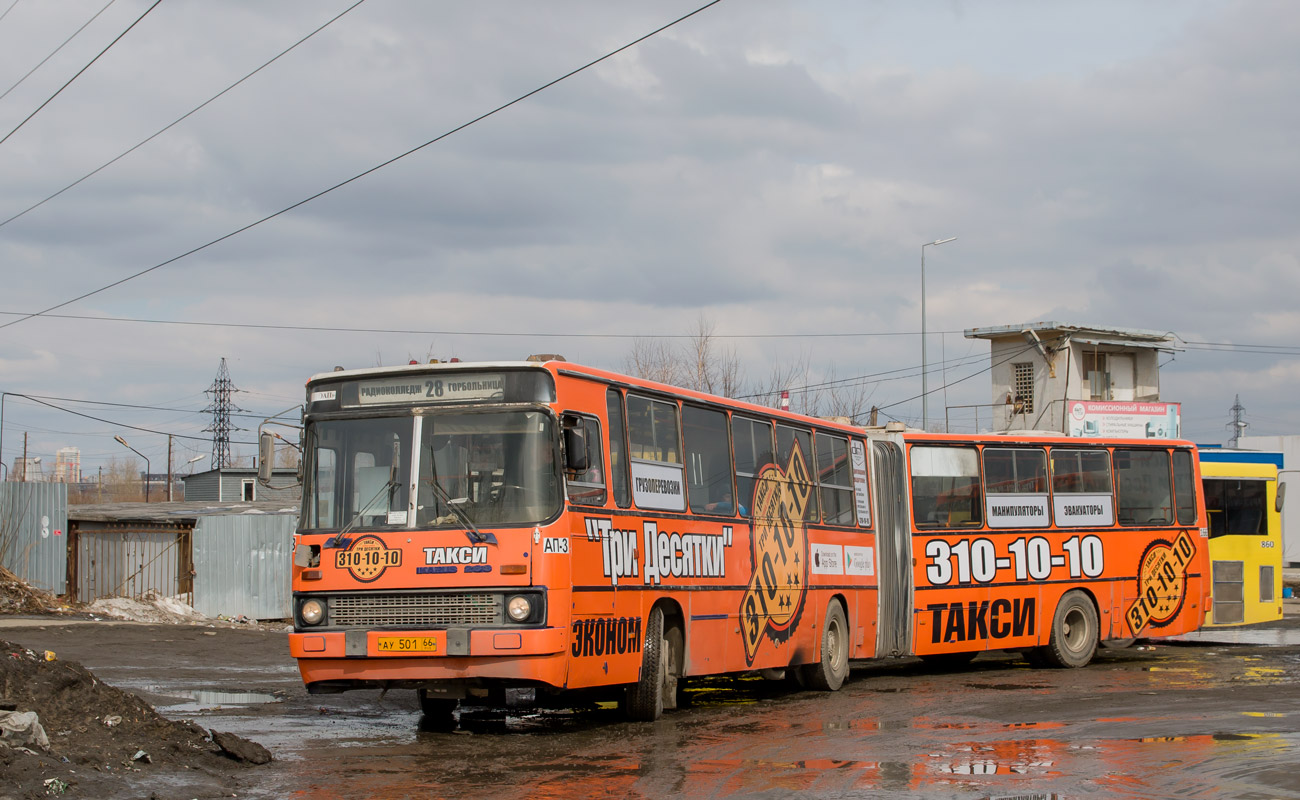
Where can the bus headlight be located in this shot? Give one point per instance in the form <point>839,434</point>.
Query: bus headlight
<point>519,608</point>
<point>312,612</point>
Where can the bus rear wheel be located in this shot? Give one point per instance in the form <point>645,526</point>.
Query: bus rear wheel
<point>829,672</point>
<point>661,664</point>
<point>1074,633</point>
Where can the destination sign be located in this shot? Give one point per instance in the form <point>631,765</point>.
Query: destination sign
<point>430,389</point>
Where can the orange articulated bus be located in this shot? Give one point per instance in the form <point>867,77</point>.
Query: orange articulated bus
<point>554,529</point>
<point>1043,543</point>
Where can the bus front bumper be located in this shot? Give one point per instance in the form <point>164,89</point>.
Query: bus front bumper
<point>536,654</point>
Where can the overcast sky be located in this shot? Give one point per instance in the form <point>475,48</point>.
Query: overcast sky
<point>771,166</point>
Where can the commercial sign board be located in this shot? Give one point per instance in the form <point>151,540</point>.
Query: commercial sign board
<point>1111,419</point>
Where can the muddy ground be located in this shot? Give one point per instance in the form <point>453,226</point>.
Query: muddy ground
<point>1207,719</point>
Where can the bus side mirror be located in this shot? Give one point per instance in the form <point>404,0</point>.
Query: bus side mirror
<point>1281,495</point>
<point>575,446</point>
<point>265,457</point>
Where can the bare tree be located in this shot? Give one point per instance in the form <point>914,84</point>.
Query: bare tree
<point>701,363</point>
<point>782,377</point>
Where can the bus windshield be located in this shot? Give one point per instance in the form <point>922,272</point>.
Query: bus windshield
<point>481,468</point>
<point>493,468</point>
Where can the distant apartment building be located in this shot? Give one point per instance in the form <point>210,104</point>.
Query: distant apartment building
<point>28,469</point>
<point>67,465</point>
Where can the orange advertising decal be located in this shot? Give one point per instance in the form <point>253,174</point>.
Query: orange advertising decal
<point>1162,583</point>
<point>367,558</point>
<point>774,599</point>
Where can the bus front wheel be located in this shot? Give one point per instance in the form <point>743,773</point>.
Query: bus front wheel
<point>661,660</point>
<point>829,672</point>
<point>1075,632</point>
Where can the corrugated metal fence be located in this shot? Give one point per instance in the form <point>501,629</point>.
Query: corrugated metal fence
<point>242,565</point>
<point>33,533</point>
<point>132,560</point>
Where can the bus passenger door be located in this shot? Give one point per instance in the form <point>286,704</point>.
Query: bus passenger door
<point>894,552</point>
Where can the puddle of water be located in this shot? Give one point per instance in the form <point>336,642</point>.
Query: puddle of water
<point>1278,636</point>
<point>208,700</point>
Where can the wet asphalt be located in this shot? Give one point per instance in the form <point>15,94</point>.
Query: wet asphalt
<point>1214,716</point>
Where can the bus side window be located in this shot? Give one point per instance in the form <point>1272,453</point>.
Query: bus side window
<point>946,487</point>
<point>786,439</point>
<point>588,487</point>
<point>655,444</point>
<point>618,475</point>
<point>835,477</point>
<point>708,461</point>
<point>1082,490</point>
<point>1236,507</point>
<point>1184,487</point>
<point>1143,480</point>
<point>321,514</point>
<point>752,441</point>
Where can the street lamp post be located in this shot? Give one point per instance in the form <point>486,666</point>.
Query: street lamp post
<point>925,364</point>
<point>147,469</point>
<point>189,464</point>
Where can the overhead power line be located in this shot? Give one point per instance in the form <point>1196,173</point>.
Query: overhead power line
<point>412,331</point>
<point>373,169</point>
<point>1231,347</point>
<point>118,424</point>
<point>133,405</point>
<point>56,50</point>
<point>7,10</point>
<point>1016,354</point>
<point>179,119</point>
<point>83,69</point>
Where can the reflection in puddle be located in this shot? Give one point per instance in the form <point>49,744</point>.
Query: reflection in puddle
<point>208,700</point>
<point>1239,636</point>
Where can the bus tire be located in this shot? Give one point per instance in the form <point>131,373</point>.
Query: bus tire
<point>645,698</point>
<point>829,672</point>
<point>438,711</point>
<point>1118,644</point>
<point>1075,632</point>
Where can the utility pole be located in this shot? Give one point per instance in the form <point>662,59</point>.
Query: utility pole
<point>24,457</point>
<point>101,483</point>
<point>169,467</point>
<point>1238,425</point>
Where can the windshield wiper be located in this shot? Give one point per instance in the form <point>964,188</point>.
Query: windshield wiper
<point>389,487</point>
<point>475,535</point>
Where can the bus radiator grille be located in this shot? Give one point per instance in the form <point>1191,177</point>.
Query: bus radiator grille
<point>416,610</point>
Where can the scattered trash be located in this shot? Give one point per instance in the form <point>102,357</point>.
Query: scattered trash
<point>49,656</point>
<point>22,729</point>
<point>112,720</point>
<point>141,755</point>
<point>55,786</point>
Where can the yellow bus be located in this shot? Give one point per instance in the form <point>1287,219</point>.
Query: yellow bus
<point>1245,535</point>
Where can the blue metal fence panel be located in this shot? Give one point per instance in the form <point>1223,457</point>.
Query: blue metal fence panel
<point>33,533</point>
<point>242,565</point>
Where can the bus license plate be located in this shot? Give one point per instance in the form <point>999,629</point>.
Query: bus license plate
<point>408,644</point>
